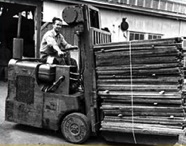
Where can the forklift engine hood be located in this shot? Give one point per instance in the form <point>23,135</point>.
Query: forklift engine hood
<point>44,73</point>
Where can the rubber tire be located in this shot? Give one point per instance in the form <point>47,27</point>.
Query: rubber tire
<point>75,128</point>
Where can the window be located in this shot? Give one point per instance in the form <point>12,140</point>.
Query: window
<point>154,36</point>
<point>137,36</point>
<point>143,36</point>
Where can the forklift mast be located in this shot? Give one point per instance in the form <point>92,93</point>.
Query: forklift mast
<point>86,21</point>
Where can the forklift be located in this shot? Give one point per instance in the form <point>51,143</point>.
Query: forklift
<point>56,96</point>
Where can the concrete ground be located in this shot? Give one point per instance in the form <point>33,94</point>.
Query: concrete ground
<point>12,133</point>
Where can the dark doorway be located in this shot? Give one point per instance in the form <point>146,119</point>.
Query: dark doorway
<point>9,14</point>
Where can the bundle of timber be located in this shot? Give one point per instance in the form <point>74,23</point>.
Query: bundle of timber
<point>140,86</point>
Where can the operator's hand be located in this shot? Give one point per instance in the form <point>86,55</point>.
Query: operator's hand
<point>74,47</point>
<point>61,53</point>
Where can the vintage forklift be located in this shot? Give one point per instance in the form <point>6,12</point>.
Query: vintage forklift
<point>56,96</point>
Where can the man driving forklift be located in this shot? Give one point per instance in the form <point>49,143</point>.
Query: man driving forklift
<point>54,48</point>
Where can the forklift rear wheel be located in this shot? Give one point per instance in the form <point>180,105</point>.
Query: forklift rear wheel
<point>75,128</point>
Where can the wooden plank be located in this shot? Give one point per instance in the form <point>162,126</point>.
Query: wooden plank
<point>137,67</point>
<point>157,42</point>
<point>126,61</point>
<point>141,94</point>
<point>139,125</point>
<point>147,120</point>
<point>164,132</point>
<point>138,54</point>
<point>179,77</point>
<point>141,128</point>
<point>171,77</point>
<point>148,48</point>
<point>140,100</point>
<point>162,113</point>
<point>147,81</point>
<point>140,97</point>
<point>144,51</point>
<point>142,108</point>
<point>120,47</point>
<point>124,87</point>
<point>166,71</point>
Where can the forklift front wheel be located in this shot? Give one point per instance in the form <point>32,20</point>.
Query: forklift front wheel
<point>75,128</point>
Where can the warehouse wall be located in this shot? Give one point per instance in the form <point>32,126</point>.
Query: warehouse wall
<point>141,23</point>
<point>52,9</point>
<point>112,19</point>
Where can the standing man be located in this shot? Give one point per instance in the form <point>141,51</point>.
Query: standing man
<point>54,46</point>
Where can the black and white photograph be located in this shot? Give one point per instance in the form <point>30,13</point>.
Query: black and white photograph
<point>93,72</point>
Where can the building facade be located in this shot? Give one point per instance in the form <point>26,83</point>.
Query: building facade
<point>147,19</point>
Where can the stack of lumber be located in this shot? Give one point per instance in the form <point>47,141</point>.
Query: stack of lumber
<point>140,86</point>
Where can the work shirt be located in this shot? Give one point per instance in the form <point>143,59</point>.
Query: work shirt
<point>50,39</point>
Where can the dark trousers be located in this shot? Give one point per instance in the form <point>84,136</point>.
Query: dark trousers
<point>66,60</point>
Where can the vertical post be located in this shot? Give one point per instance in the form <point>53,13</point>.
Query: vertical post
<point>19,25</point>
<point>37,26</point>
<point>90,93</point>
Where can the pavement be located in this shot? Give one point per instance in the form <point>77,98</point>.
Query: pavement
<point>12,133</point>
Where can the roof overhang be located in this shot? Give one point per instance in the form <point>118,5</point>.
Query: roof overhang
<point>127,8</point>
<point>23,2</point>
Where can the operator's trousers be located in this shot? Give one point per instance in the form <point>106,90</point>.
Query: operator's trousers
<point>65,60</point>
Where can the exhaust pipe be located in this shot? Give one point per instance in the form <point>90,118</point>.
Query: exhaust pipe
<point>18,42</point>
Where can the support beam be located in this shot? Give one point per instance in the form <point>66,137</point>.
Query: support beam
<point>37,26</point>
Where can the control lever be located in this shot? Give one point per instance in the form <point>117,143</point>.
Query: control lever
<point>71,48</point>
<point>55,85</point>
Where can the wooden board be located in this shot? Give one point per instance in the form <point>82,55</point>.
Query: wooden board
<point>155,129</point>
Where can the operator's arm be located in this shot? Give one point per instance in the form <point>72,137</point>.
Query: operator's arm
<point>66,45</point>
<point>52,42</point>
<point>58,50</point>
